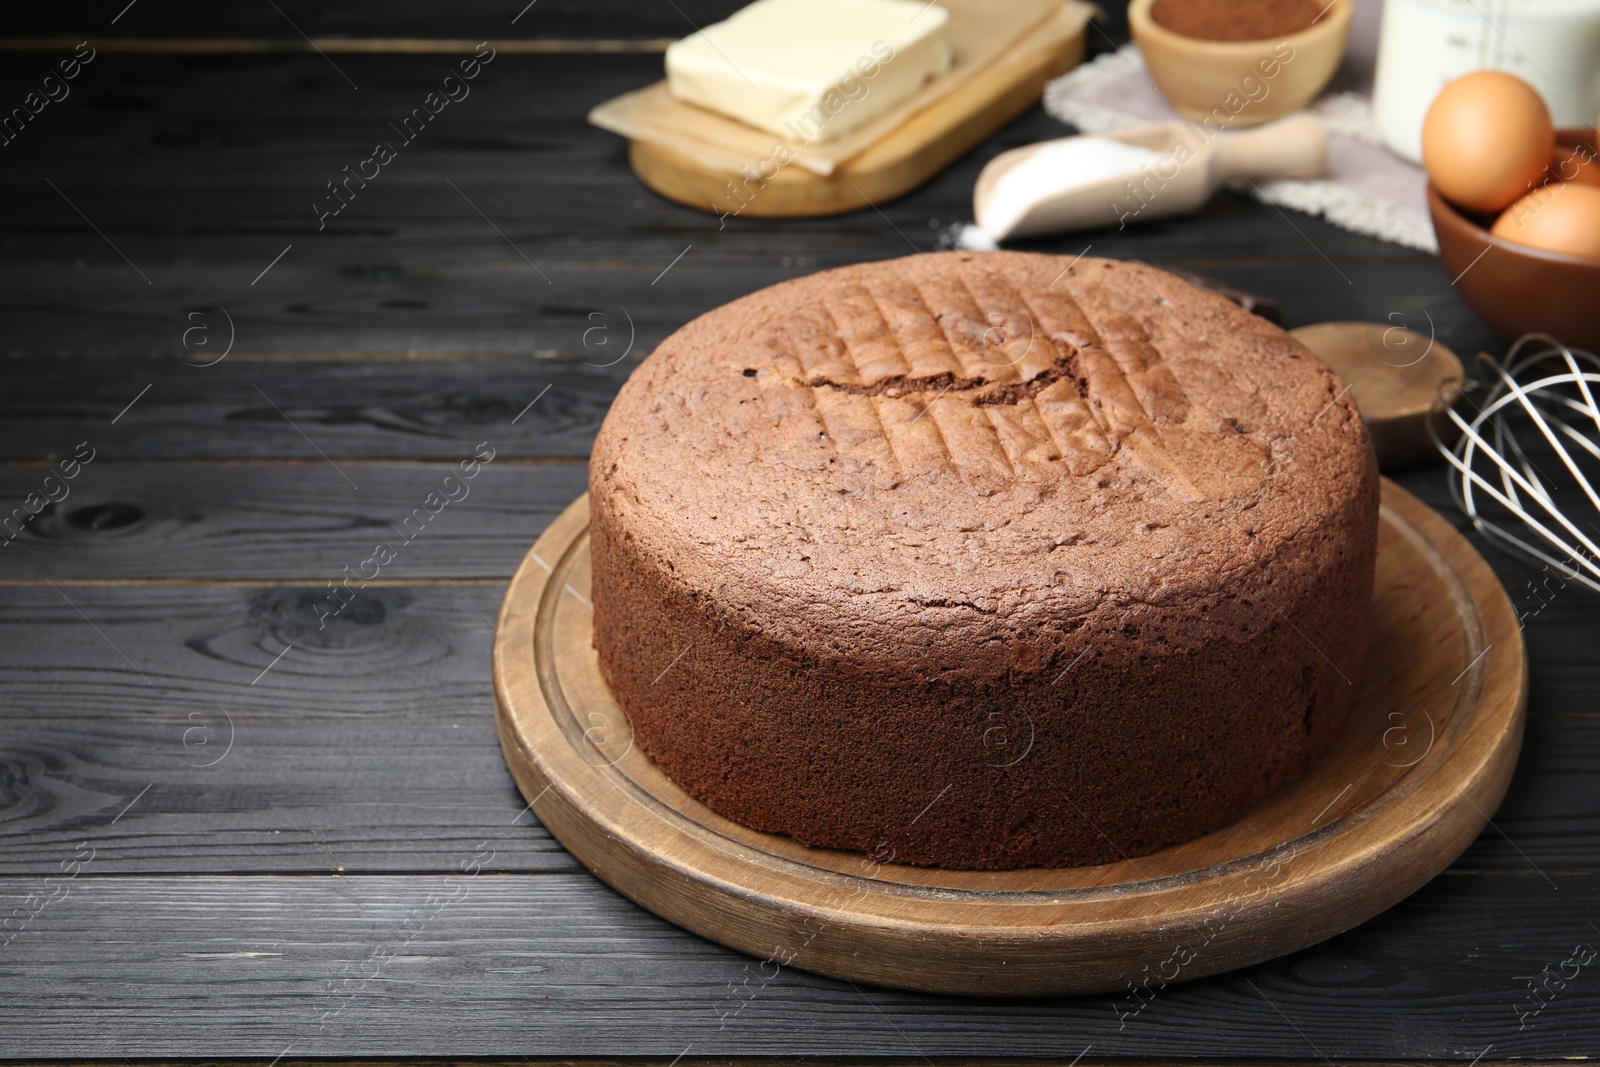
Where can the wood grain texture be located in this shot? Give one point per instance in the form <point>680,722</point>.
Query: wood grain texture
<point>203,198</point>
<point>1090,1060</point>
<point>373,737</point>
<point>316,313</point>
<point>332,46</point>
<point>383,408</point>
<point>199,150</point>
<point>61,778</point>
<point>468,973</point>
<point>396,689</point>
<point>324,412</point>
<point>1549,817</point>
<point>300,521</point>
<point>219,790</point>
<point>394,653</point>
<point>413,18</point>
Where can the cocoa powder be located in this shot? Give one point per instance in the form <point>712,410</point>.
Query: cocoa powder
<point>1235,20</point>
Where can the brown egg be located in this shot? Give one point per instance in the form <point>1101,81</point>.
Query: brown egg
<point>1563,217</point>
<point>1486,140</point>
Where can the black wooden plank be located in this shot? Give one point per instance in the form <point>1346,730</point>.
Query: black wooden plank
<point>373,738</point>
<point>217,163</point>
<point>374,309</point>
<point>388,309</point>
<point>299,521</point>
<point>239,147</point>
<point>546,18</point>
<point>361,736</point>
<point>1554,614</point>
<point>95,706</point>
<point>230,791</point>
<point>1553,805</point>
<point>429,409</point>
<point>270,789</point>
<point>418,653</point>
<point>557,965</point>
<point>279,520</point>
<point>287,410</point>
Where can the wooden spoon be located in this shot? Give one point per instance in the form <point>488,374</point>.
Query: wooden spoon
<point>1196,162</point>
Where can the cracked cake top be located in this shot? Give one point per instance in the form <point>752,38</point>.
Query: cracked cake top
<point>961,436</point>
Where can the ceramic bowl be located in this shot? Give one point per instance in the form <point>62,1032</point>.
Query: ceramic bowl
<point>1514,288</point>
<point>1228,84</point>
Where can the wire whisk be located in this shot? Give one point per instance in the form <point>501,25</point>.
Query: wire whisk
<point>1529,454</point>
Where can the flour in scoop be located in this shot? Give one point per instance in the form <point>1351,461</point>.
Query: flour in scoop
<point>970,237</point>
<point>1058,167</point>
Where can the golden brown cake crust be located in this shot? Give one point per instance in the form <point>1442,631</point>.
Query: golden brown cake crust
<point>982,559</point>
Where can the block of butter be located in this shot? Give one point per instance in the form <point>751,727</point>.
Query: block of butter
<point>811,70</point>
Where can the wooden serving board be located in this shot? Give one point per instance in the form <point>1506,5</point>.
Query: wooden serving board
<point>909,155</point>
<point>1426,758</point>
<point>1396,377</point>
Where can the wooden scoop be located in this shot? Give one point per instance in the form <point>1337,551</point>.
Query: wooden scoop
<point>1195,162</point>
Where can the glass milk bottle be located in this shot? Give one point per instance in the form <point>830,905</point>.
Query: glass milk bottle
<point>1553,45</point>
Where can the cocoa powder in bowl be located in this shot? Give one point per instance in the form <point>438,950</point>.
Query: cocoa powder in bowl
<point>1235,20</point>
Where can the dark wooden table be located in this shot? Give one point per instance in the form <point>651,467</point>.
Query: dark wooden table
<point>233,830</point>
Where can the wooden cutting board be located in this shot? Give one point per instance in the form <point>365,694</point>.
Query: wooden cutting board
<point>1398,379</point>
<point>906,156</point>
<point>1425,759</point>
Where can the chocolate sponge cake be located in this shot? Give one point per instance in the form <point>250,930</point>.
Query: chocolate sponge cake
<point>983,560</point>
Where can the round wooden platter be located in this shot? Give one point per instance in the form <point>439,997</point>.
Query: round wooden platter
<point>1426,758</point>
<point>1395,376</point>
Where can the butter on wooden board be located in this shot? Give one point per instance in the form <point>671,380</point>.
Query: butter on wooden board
<point>811,70</point>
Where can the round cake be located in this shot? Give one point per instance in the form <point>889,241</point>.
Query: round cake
<point>983,560</point>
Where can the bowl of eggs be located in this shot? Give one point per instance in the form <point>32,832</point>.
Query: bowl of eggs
<point>1516,208</point>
